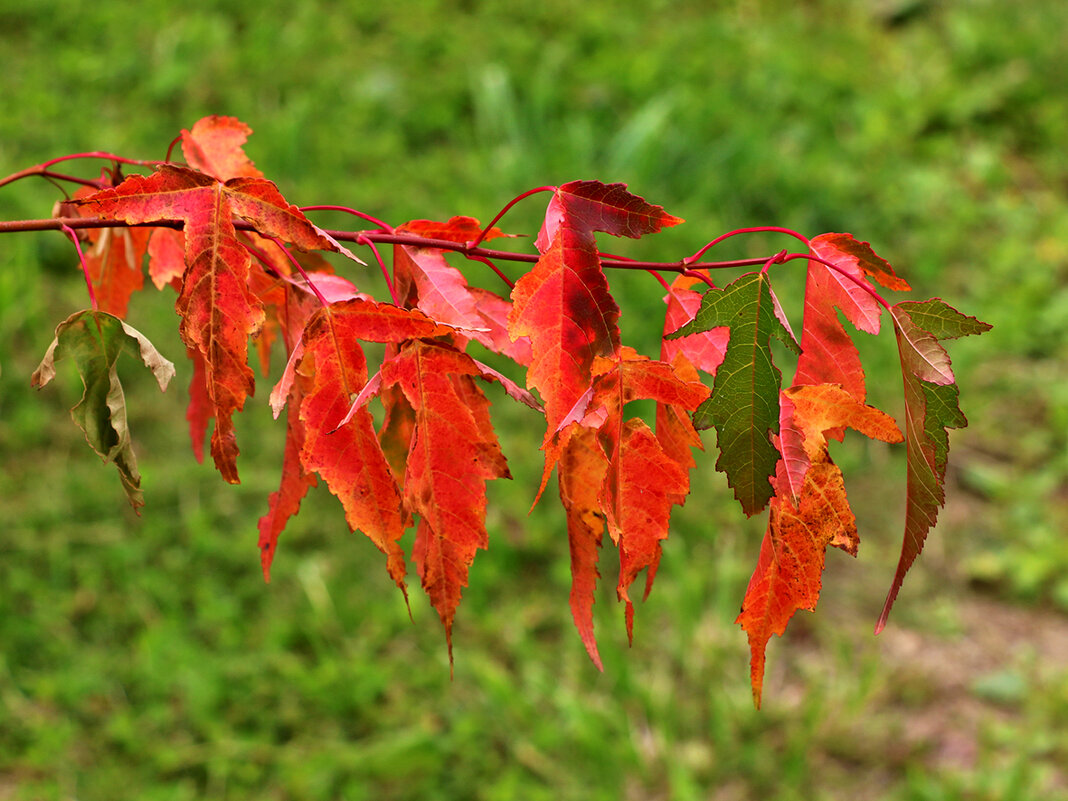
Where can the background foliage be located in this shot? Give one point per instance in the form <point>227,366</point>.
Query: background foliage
<point>145,657</point>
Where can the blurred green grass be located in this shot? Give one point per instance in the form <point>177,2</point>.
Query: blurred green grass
<point>144,657</point>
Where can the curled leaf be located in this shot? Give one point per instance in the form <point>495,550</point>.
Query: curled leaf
<point>95,340</point>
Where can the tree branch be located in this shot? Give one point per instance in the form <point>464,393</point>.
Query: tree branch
<point>382,237</point>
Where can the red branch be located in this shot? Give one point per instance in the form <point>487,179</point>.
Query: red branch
<point>382,237</point>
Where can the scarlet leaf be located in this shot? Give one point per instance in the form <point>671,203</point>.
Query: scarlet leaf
<point>563,304</point>
<point>794,461</point>
<point>95,340</point>
<point>608,208</point>
<point>218,311</point>
<point>285,502</point>
<point>580,474</point>
<point>744,407</point>
<point>453,453</point>
<point>348,456</point>
<point>564,307</point>
<point>200,411</point>
<point>930,408</point>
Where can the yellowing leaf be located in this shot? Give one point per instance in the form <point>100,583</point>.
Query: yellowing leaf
<point>95,340</point>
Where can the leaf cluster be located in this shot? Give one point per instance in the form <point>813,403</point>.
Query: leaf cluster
<point>248,269</point>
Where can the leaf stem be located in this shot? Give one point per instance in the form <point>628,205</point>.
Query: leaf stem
<point>322,301</point>
<point>363,216</point>
<point>862,284</point>
<point>696,273</point>
<point>778,258</point>
<point>495,268</point>
<point>367,237</point>
<point>85,267</point>
<point>502,212</point>
<point>762,229</point>
<point>170,147</point>
<point>42,169</point>
<point>364,240</point>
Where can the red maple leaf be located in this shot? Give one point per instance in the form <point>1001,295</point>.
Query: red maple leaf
<point>453,452</point>
<point>828,355</point>
<point>347,455</point>
<point>218,311</point>
<point>616,471</point>
<point>563,304</point>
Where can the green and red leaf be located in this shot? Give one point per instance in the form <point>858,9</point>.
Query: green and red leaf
<point>930,409</point>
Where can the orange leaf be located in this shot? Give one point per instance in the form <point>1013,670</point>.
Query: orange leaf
<point>617,470</point>
<point>789,572</point>
<point>214,146</point>
<point>642,484</point>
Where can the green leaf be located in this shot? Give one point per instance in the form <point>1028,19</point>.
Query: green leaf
<point>744,406</point>
<point>941,320</point>
<point>95,340</point>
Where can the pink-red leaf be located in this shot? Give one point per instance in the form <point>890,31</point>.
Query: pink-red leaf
<point>843,249</point>
<point>705,349</point>
<point>828,355</point>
